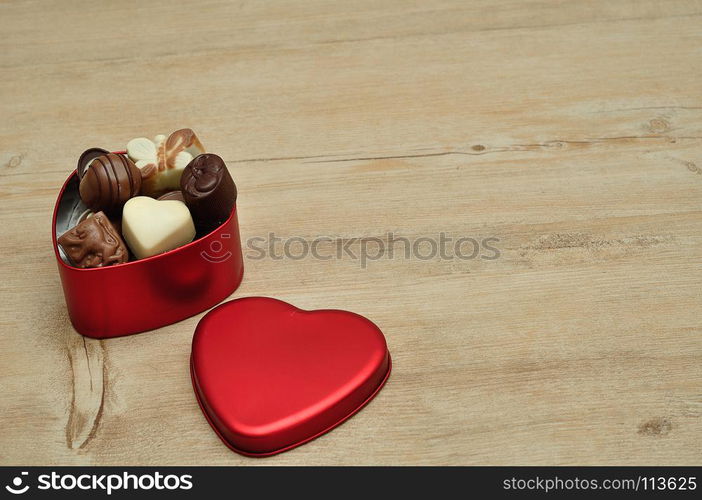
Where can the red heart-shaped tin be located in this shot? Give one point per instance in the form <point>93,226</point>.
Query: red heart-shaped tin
<point>269,376</point>
<point>106,302</point>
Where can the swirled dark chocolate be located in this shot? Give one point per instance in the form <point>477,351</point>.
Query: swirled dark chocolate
<point>208,190</point>
<point>94,242</point>
<point>109,181</point>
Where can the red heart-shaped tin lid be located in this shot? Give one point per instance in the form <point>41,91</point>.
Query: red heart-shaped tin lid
<point>269,376</point>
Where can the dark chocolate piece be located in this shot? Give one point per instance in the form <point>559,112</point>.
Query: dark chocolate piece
<point>109,181</point>
<point>172,195</point>
<point>87,157</point>
<point>209,191</point>
<point>94,242</point>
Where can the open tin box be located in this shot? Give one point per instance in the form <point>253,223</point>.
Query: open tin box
<point>268,376</point>
<point>149,293</point>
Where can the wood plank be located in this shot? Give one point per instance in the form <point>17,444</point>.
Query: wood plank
<point>571,133</point>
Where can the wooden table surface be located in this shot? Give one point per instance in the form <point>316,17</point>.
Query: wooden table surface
<point>570,131</point>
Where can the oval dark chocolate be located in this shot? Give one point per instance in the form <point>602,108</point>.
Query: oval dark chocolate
<point>209,191</point>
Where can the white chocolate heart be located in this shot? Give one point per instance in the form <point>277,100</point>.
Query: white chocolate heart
<point>151,227</point>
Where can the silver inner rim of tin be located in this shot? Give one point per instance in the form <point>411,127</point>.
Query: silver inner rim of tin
<point>71,210</point>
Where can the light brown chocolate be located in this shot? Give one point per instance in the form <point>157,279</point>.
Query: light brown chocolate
<point>109,181</point>
<point>94,242</point>
<point>87,158</point>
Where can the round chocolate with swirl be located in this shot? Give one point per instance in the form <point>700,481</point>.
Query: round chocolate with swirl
<point>209,191</point>
<point>108,182</point>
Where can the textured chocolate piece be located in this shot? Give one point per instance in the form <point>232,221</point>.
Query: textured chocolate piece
<point>94,242</point>
<point>209,191</point>
<point>162,160</point>
<point>109,181</point>
<point>87,157</point>
<point>115,220</point>
<point>172,195</point>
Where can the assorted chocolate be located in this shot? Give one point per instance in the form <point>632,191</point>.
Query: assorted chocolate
<point>87,157</point>
<point>94,242</point>
<point>172,195</point>
<point>108,182</point>
<point>155,198</point>
<point>162,160</point>
<point>151,227</point>
<point>116,220</point>
<point>209,191</point>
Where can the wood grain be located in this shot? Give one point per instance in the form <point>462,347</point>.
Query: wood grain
<point>572,132</point>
